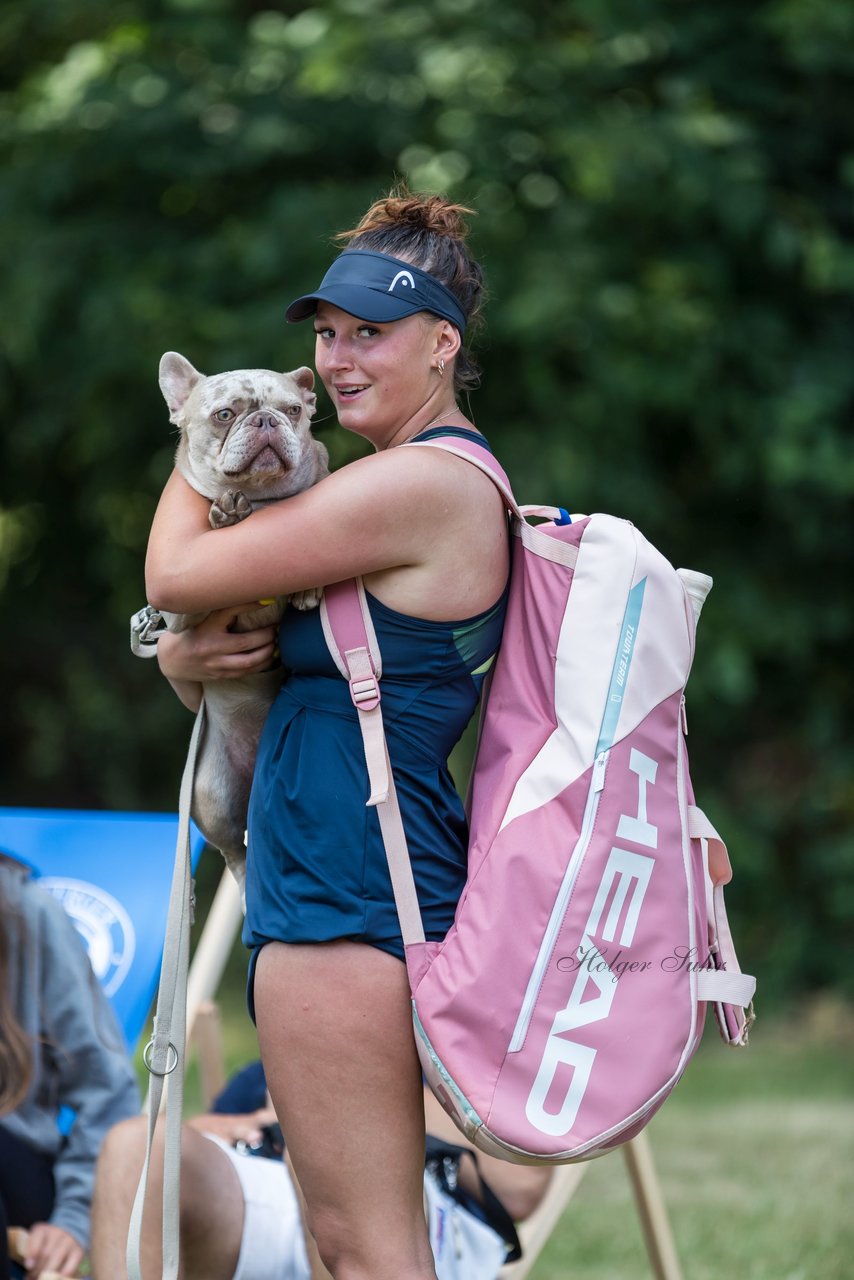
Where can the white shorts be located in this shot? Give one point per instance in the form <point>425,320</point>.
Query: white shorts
<point>273,1245</point>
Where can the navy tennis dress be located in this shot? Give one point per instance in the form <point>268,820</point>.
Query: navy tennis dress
<point>316,865</point>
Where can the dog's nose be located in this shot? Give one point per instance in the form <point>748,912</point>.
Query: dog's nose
<point>267,421</point>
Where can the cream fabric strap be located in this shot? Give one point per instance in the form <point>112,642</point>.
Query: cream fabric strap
<point>165,1052</point>
<point>383,798</point>
<point>361,667</point>
<point>699,828</point>
<point>399,864</point>
<point>720,987</point>
<point>388,810</point>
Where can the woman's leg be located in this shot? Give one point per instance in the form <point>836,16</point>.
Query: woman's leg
<point>336,1038</point>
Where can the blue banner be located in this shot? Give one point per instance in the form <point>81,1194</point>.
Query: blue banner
<point>112,872</point>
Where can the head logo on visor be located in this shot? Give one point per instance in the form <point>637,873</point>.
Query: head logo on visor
<point>378,288</point>
<point>403,277</point>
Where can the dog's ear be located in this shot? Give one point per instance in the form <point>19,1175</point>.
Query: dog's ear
<point>177,379</point>
<point>304,378</point>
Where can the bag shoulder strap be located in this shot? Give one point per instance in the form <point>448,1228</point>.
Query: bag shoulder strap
<point>481,457</point>
<point>351,639</point>
<point>485,461</point>
<point>352,642</point>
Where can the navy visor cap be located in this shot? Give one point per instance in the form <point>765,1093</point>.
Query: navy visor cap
<point>378,288</point>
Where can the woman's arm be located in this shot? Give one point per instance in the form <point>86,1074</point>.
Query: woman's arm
<point>373,514</point>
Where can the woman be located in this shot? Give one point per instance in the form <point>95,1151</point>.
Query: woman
<point>427,533</point>
<point>61,1053</point>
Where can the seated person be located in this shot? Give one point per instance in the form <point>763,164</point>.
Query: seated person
<point>241,1213</point>
<point>61,1054</point>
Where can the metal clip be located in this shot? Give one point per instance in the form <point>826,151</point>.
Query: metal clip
<point>146,627</point>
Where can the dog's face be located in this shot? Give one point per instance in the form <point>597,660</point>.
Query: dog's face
<point>248,429</point>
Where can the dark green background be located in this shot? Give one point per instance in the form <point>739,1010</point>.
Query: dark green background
<point>665,195</point>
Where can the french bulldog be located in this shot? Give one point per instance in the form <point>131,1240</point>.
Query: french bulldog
<point>244,441</point>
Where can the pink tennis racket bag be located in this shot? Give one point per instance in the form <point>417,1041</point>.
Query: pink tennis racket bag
<point>570,993</point>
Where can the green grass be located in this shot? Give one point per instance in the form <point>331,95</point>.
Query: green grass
<point>754,1154</point>
<point>754,1151</point>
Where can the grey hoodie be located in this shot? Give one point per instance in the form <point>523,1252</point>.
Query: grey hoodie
<point>80,1058</point>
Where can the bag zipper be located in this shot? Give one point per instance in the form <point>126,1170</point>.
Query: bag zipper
<point>597,782</point>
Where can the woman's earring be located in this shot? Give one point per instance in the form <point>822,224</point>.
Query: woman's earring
<point>441,367</point>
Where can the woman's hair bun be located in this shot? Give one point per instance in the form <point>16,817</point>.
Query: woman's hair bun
<point>403,208</point>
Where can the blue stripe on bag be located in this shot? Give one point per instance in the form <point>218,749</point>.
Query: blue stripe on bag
<point>622,663</point>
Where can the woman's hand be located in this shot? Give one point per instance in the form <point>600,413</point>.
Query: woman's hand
<point>51,1249</point>
<point>211,652</point>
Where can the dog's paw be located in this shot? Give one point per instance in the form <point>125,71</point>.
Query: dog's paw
<point>305,600</point>
<point>229,508</point>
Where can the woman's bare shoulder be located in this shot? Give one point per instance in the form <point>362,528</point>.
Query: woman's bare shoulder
<point>414,480</point>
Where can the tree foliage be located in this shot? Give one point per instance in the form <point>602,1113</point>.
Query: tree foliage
<point>664,196</point>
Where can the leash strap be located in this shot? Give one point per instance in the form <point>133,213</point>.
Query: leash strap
<point>164,1054</point>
